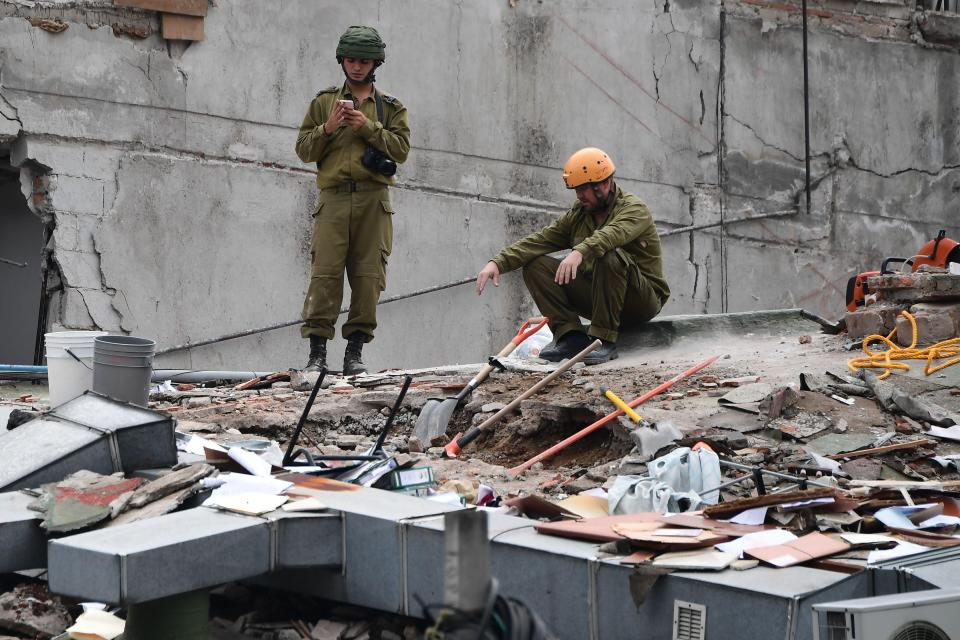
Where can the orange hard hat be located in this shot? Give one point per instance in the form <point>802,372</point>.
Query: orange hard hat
<point>587,165</point>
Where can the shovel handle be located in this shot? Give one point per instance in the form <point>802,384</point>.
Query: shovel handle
<point>453,448</point>
<point>524,333</point>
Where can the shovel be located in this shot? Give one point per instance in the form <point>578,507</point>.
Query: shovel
<point>436,412</point>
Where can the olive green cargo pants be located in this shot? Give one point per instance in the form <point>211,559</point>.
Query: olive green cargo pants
<point>352,232</point>
<point>611,292</point>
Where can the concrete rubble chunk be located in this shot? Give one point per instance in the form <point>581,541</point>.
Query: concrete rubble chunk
<point>170,483</point>
<point>916,287</point>
<point>879,318</point>
<point>936,322</point>
<point>83,499</point>
<point>30,609</point>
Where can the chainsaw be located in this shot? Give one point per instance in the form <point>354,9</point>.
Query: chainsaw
<point>939,252</point>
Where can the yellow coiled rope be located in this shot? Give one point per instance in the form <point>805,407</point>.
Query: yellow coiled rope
<point>886,359</point>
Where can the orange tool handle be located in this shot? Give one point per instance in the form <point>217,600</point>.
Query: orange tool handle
<point>610,416</point>
<point>525,333</point>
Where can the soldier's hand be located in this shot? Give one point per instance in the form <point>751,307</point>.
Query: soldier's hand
<point>489,272</point>
<point>354,119</point>
<point>567,270</point>
<point>336,119</point>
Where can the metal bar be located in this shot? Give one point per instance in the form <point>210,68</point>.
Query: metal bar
<point>12,263</point>
<point>288,456</point>
<point>22,368</point>
<point>806,109</point>
<point>711,225</point>
<point>775,474</point>
<point>282,325</point>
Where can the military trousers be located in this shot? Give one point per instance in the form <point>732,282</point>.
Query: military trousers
<point>611,292</point>
<point>352,233</point>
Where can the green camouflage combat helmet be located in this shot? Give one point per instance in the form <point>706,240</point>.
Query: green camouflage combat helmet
<point>361,42</point>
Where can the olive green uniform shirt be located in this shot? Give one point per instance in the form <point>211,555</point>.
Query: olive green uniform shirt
<point>628,227</point>
<point>338,156</point>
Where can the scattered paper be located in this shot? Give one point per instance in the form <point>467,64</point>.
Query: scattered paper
<point>756,540</point>
<point>707,559</point>
<point>753,517</point>
<point>866,538</point>
<point>307,504</point>
<point>196,445</point>
<point>96,625</point>
<point>950,433</point>
<point>901,550</point>
<point>939,521</point>
<point>238,483</point>
<point>250,461</point>
<point>251,504</point>
<point>596,492</point>
<point>586,506</point>
<point>824,462</point>
<point>898,517</point>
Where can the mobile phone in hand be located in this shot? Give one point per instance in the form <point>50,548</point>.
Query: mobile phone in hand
<point>347,104</point>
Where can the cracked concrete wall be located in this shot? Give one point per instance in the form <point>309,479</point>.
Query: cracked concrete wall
<point>182,213</point>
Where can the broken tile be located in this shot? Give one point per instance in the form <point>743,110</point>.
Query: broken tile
<point>836,443</point>
<point>30,609</point>
<point>82,499</point>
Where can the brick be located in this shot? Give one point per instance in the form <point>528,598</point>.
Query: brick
<point>176,27</point>
<point>935,323</point>
<point>879,318</point>
<point>916,287</point>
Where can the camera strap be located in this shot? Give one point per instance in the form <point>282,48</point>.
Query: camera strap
<point>379,103</point>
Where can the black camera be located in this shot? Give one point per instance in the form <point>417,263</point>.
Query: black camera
<point>376,160</point>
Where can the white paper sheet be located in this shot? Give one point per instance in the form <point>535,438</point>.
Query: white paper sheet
<point>253,504</point>
<point>234,483</point>
<point>756,540</point>
<point>866,538</point>
<point>250,461</point>
<point>196,444</point>
<point>307,504</point>
<point>96,624</point>
<point>939,521</point>
<point>752,517</point>
<point>899,551</point>
<point>950,433</point>
<point>896,517</point>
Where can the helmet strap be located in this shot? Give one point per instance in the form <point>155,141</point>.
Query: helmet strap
<point>371,77</point>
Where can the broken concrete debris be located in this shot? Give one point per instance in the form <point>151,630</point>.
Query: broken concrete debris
<point>793,453</point>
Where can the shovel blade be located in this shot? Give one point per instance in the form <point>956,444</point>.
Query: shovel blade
<point>434,418</point>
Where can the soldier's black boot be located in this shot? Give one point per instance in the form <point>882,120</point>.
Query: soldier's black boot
<point>318,354</point>
<point>352,364</point>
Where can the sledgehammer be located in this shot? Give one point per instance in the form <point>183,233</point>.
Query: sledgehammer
<point>454,447</point>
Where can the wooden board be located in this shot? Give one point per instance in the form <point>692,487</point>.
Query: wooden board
<point>177,27</point>
<point>183,7</point>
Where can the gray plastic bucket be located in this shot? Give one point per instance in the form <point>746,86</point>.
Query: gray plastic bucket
<point>122,366</point>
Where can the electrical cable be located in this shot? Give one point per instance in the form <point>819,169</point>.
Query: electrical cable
<point>889,360</point>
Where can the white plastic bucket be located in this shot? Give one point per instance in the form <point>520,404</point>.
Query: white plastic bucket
<point>67,377</point>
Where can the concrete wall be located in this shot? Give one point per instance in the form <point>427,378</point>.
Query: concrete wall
<point>181,212</point>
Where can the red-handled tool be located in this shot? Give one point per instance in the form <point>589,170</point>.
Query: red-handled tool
<point>436,412</point>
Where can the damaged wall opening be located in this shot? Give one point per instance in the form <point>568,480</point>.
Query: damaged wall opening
<point>21,278</point>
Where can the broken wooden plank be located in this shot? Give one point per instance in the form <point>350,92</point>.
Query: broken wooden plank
<point>183,7</point>
<point>177,27</point>
<point>884,449</point>
<point>725,509</point>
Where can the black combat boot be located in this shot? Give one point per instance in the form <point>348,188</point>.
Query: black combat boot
<point>606,352</point>
<point>318,355</point>
<point>568,345</point>
<point>352,364</point>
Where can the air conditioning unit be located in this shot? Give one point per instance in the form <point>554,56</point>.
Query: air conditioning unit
<point>917,615</point>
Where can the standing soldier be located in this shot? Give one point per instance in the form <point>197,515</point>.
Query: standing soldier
<point>356,134</point>
<point>613,275</point>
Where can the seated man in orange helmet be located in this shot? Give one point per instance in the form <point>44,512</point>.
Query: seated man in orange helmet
<point>613,275</point>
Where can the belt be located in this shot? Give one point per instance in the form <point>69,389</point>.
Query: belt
<point>351,187</point>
